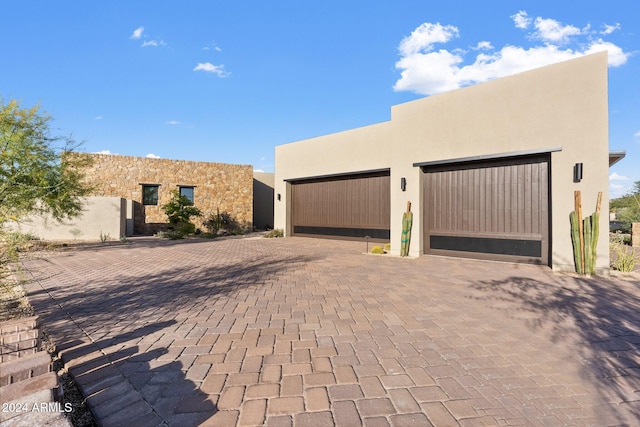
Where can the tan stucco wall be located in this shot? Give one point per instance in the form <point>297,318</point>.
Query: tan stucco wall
<point>226,187</point>
<point>562,105</point>
<point>263,199</point>
<point>100,215</point>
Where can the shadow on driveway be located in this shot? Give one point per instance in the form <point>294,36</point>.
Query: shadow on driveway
<point>115,325</point>
<point>604,315</point>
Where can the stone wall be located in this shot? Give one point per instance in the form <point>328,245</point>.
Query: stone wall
<point>635,234</point>
<point>226,187</point>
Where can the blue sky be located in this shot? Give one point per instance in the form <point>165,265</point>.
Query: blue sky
<point>228,81</point>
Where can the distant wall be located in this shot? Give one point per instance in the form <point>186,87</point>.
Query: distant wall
<point>263,200</point>
<point>226,187</point>
<point>106,215</point>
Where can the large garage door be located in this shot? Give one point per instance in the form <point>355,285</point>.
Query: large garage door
<point>495,209</point>
<point>352,206</point>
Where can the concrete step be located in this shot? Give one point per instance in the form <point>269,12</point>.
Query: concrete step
<point>25,367</point>
<point>48,381</point>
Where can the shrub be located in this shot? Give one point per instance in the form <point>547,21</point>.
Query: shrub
<point>623,258</point>
<point>275,233</point>
<point>179,210</point>
<point>224,221</point>
<point>387,247</point>
<point>377,250</point>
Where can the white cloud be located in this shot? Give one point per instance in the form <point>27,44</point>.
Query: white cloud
<point>608,29</point>
<point>637,134</point>
<point>427,70</point>
<point>105,152</point>
<point>552,31</point>
<point>484,46</point>
<point>152,156</point>
<point>210,68</point>
<point>98,118</point>
<point>258,170</point>
<point>137,33</point>
<point>617,56</point>
<point>172,123</point>
<point>425,36</point>
<point>216,48</point>
<point>615,177</point>
<point>521,19</point>
<point>153,43</point>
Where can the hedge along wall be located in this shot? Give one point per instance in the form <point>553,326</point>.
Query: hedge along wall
<point>226,187</point>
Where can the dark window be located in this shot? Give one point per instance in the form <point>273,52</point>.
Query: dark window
<point>149,194</point>
<point>187,192</point>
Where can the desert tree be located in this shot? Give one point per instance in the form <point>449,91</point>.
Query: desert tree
<point>41,173</point>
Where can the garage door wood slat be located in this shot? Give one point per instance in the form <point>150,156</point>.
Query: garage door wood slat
<point>346,206</point>
<point>504,199</point>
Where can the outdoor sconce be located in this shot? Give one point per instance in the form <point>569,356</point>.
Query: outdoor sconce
<point>577,172</point>
<point>403,184</point>
<point>278,196</point>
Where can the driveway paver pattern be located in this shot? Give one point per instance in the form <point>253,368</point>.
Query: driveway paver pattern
<point>312,332</point>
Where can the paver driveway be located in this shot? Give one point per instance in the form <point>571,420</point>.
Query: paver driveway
<point>310,332</point>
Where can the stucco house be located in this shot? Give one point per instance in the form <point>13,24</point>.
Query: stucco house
<point>488,170</point>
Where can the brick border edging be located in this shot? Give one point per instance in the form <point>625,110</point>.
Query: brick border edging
<point>106,390</point>
<point>25,370</point>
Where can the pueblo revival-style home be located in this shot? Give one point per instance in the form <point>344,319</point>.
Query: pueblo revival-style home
<point>490,170</point>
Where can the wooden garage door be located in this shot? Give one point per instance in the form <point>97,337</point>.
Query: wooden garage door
<point>352,206</point>
<point>497,209</point>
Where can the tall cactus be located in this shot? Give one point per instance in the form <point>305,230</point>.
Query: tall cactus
<point>575,238</point>
<point>584,235</point>
<point>588,247</point>
<point>595,232</point>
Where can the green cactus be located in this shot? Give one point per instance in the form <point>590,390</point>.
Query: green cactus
<point>588,248</point>
<point>591,232</point>
<point>595,233</point>
<point>575,238</point>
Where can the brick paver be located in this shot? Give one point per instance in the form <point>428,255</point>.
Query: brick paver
<point>302,332</point>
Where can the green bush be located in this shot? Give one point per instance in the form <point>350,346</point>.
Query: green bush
<point>377,250</point>
<point>186,228</point>
<point>274,233</point>
<point>623,258</point>
<point>179,210</point>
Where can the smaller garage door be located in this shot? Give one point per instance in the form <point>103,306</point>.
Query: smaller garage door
<point>494,209</point>
<point>346,206</point>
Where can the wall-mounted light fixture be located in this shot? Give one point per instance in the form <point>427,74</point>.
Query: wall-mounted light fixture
<point>278,196</point>
<point>403,184</point>
<point>577,172</point>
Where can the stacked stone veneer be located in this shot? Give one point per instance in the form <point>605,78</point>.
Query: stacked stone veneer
<point>226,187</point>
<point>635,234</point>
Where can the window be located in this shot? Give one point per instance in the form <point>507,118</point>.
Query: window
<point>187,192</point>
<point>150,194</point>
